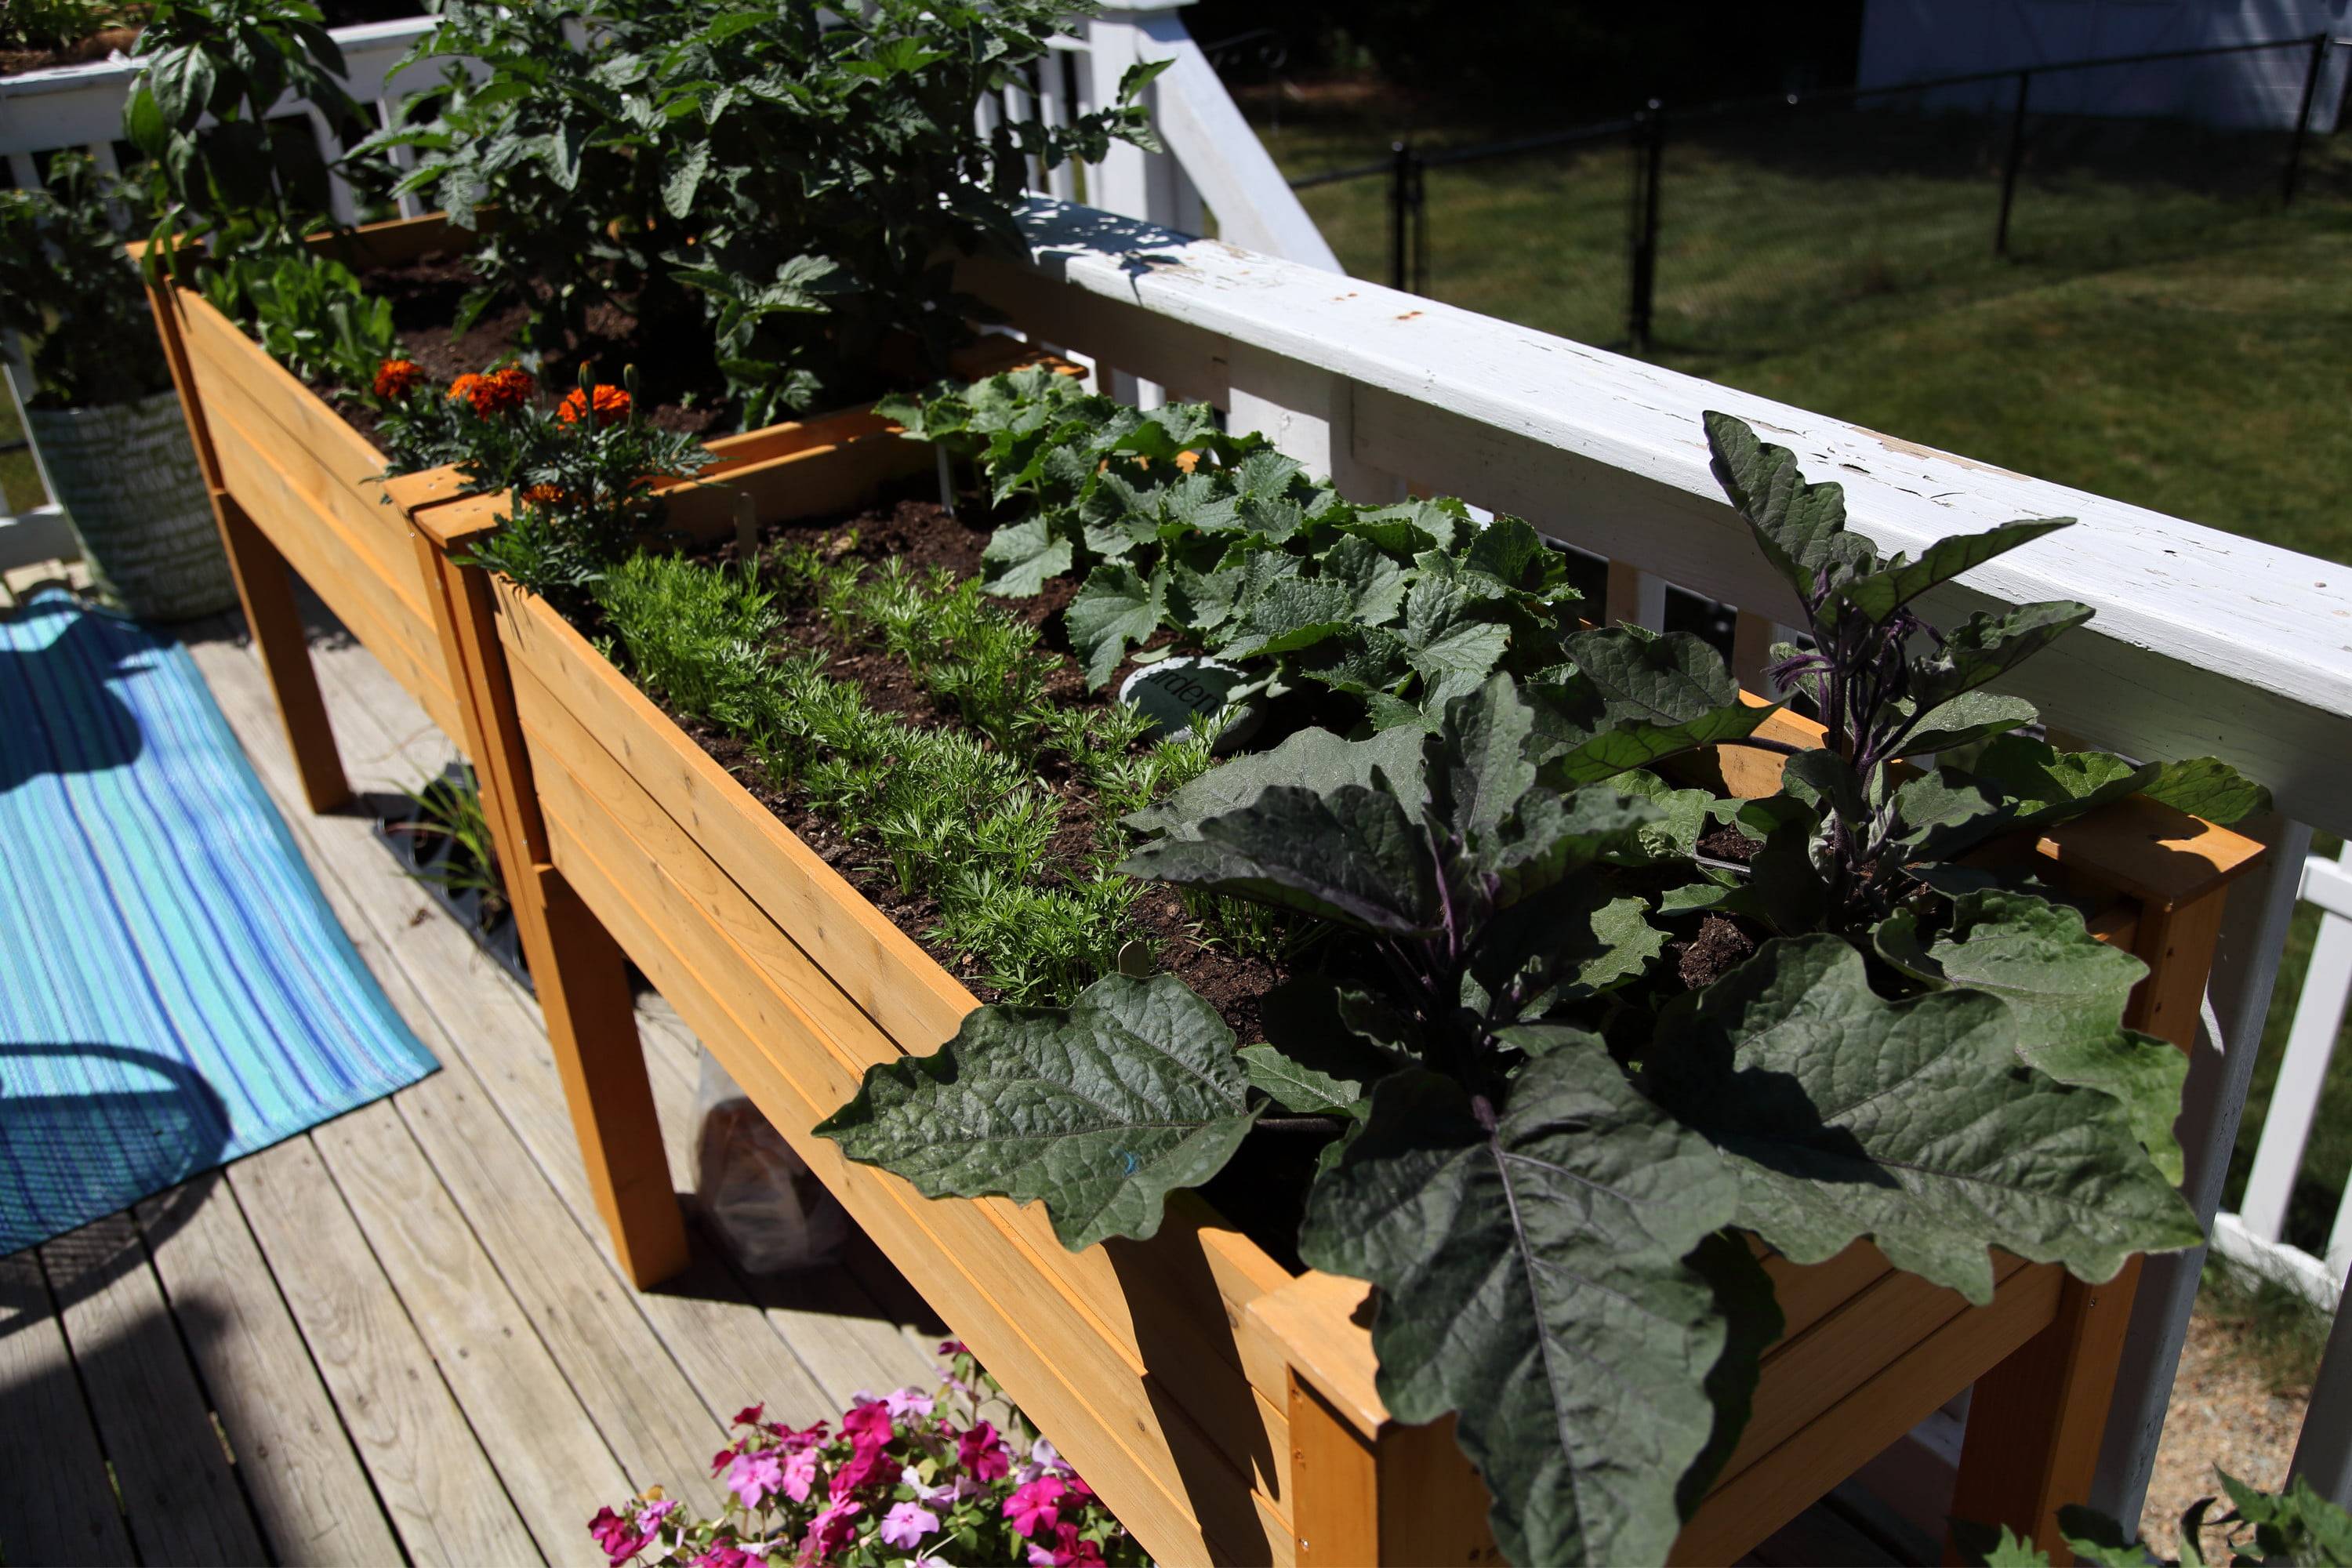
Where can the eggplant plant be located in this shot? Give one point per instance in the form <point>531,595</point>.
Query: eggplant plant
<point>1541,1143</point>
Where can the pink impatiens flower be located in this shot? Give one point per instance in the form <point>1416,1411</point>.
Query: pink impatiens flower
<point>1035,1506</point>
<point>982,1455</point>
<point>749,1415</point>
<point>756,1478</point>
<point>725,1554</point>
<point>800,1474</point>
<point>620,1538</point>
<point>830,1530</point>
<point>870,1421</point>
<point>908,1524</point>
<point>908,1399</point>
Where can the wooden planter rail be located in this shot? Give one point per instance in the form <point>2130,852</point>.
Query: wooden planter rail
<point>1223,1407</point>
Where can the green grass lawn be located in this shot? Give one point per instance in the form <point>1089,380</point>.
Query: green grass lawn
<point>2163,332</point>
<point>20,484</point>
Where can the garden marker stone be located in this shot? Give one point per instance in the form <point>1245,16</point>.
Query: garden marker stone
<point>1180,691</point>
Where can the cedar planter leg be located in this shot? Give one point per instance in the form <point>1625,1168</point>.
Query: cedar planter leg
<point>265,586</point>
<point>2036,1421</point>
<point>578,970</point>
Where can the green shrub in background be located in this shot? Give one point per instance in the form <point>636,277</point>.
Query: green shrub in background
<point>66,289</point>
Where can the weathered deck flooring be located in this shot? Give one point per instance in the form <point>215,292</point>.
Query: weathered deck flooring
<point>400,1336</point>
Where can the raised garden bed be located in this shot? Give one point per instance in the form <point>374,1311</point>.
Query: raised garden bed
<point>299,487</point>
<point>1224,1404</point>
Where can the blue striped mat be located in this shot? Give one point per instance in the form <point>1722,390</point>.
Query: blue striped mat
<point>174,991</point>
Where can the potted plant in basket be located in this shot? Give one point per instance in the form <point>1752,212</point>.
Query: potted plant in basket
<point>97,401</point>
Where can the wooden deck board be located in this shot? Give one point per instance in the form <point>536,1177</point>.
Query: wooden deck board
<point>56,1501</point>
<point>184,1504</point>
<point>309,1490</point>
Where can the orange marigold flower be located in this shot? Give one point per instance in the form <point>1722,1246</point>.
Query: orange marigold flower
<point>395,378</point>
<point>500,391</point>
<point>543,495</point>
<point>611,403</point>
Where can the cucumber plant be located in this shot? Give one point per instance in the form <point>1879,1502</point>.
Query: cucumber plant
<point>1541,1143</point>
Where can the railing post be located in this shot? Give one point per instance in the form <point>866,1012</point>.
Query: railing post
<point>2245,965</point>
<point>2323,1455</point>
<point>2012,163</point>
<point>1649,146</point>
<point>1399,215</point>
<point>2302,118</point>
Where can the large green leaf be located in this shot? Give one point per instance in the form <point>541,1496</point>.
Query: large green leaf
<point>1635,696</point>
<point>1099,1110</point>
<point>1879,595</point>
<point>2067,990</point>
<point>2017,783</point>
<point>1348,855</point>
<point>1970,717</point>
<point>1115,607</point>
<point>1311,759</point>
<point>1535,1278</point>
<point>2208,787</point>
<point>1800,527</point>
<point>1023,558</point>
<point>1912,1123</point>
<point>1984,646</point>
<point>1448,638</point>
<point>1288,614</point>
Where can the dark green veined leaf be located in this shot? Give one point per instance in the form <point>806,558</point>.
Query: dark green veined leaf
<point>1448,640</point>
<point>1411,527</point>
<point>684,178</point>
<point>2017,783</point>
<point>1348,855</point>
<point>1800,527</point>
<point>1023,558</point>
<point>1376,581</point>
<point>1511,553</point>
<point>1099,1110</point>
<point>1569,943</point>
<point>1637,744</point>
<point>1534,1277</point>
<point>1288,614</point>
<point>1912,1123</point>
<point>1969,718</point>
<point>1203,601</point>
<point>1298,1085</point>
<point>1549,836</point>
<point>1635,698</point>
<point>2208,787</point>
<point>1115,607</point>
<point>1311,759</point>
<point>1984,646</point>
<point>1879,595</point>
<point>2067,990</point>
<point>1478,768</point>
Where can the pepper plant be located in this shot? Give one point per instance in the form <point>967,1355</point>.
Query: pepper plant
<point>1539,1140</point>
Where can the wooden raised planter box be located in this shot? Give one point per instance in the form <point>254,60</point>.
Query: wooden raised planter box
<point>295,487</point>
<point>1223,1407</point>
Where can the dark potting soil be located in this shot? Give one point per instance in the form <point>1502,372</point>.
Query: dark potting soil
<point>679,380</point>
<point>925,535</point>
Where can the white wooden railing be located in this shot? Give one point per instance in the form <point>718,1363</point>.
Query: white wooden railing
<point>2254,1235</point>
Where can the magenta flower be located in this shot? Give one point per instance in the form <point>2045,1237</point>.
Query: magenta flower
<point>756,1478</point>
<point>908,1524</point>
<point>725,1554</point>
<point>1067,1551</point>
<point>620,1540</point>
<point>982,1455</point>
<point>908,1400</point>
<point>1036,1505</point>
<point>800,1474</point>
<point>830,1530</point>
<point>954,1347</point>
<point>749,1415</point>
<point>869,1422</point>
<point>649,1517</point>
<point>724,1458</point>
<point>865,1465</point>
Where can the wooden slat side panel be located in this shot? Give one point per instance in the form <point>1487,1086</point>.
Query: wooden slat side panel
<point>1158,1472</point>
<point>1197,1313</point>
<point>396,631</point>
<point>1773,1491</point>
<point>808,482</point>
<point>325,461</point>
<point>1153,1308</point>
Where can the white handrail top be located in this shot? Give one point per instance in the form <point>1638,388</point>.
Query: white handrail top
<point>120,69</point>
<point>2252,644</point>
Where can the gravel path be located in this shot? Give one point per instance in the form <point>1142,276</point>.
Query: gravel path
<point>2223,1413</point>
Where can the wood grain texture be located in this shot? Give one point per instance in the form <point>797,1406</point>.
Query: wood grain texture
<point>305,1481</point>
<point>547,1451</point>
<point>266,591</point>
<point>56,1501</point>
<point>178,1494</point>
<point>439,1488</point>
